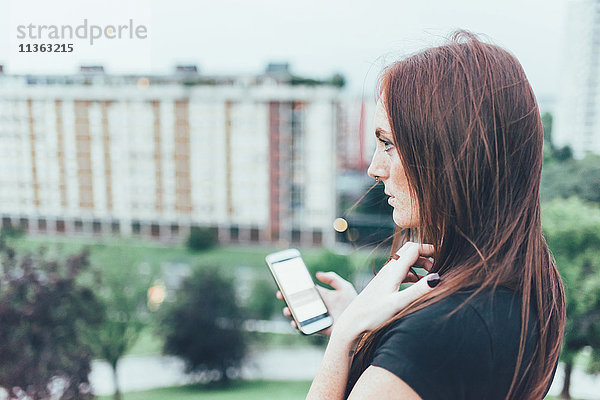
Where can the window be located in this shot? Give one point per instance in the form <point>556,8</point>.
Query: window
<point>254,235</point>
<point>136,227</point>
<point>317,237</point>
<point>97,226</point>
<point>234,233</point>
<point>295,236</point>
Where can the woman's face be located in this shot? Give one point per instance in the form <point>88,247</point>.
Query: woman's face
<point>387,166</point>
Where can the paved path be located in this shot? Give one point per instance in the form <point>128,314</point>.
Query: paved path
<point>148,372</point>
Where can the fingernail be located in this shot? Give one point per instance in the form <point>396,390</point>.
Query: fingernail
<point>433,280</point>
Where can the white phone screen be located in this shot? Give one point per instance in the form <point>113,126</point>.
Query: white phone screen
<point>299,288</point>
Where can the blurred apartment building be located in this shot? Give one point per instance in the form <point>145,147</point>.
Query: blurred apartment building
<point>252,157</point>
<point>577,122</point>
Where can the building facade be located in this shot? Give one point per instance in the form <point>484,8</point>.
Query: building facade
<point>577,119</point>
<point>252,158</point>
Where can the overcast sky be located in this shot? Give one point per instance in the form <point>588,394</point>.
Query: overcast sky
<point>318,37</point>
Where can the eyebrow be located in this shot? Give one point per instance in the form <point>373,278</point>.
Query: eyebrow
<point>380,132</point>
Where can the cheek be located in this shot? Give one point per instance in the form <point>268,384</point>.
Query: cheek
<point>402,189</point>
<point>398,177</point>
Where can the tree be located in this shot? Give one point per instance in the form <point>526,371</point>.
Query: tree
<point>123,293</point>
<point>338,80</point>
<point>572,177</point>
<point>261,304</point>
<point>46,313</point>
<point>330,261</point>
<point>203,325</point>
<point>572,231</point>
<point>201,238</point>
<point>551,152</point>
<point>563,153</point>
<point>547,126</point>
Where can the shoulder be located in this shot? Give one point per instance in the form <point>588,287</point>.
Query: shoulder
<point>445,329</point>
<point>488,312</point>
<point>456,349</point>
<point>379,383</point>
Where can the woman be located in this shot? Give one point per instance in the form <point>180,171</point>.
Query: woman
<point>460,155</point>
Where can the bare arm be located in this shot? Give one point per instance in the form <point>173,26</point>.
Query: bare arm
<point>330,380</point>
<point>379,383</point>
<point>377,303</point>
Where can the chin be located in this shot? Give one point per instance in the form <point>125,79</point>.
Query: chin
<point>404,221</point>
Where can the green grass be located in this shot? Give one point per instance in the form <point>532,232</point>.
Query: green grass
<point>108,251</point>
<point>115,253</point>
<point>124,256</point>
<point>149,343</point>
<point>243,390</point>
<point>260,340</point>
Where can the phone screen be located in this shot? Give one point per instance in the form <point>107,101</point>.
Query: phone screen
<point>300,290</point>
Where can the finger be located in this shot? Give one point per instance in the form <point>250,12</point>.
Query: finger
<point>332,279</point>
<point>422,287</point>
<point>278,295</point>
<point>293,324</point>
<point>424,249</point>
<point>286,312</point>
<point>424,263</point>
<point>396,270</point>
<point>410,278</point>
<point>406,257</point>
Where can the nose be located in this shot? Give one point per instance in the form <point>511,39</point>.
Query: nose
<point>379,166</point>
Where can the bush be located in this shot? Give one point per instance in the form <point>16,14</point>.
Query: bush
<point>124,295</point>
<point>12,232</point>
<point>330,261</point>
<point>262,303</point>
<point>46,314</point>
<point>572,231</point>
<point>201,238</point>
<point>203,325</point>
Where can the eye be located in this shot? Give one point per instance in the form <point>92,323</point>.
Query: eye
<point>387,146</point>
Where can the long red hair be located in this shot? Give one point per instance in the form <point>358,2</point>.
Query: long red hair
<point>468,131</point>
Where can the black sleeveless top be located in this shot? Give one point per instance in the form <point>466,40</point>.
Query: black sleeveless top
<point>470,355</point>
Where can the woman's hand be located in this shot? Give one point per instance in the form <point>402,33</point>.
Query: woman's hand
<point>380,300</point>
<point>336,300</point>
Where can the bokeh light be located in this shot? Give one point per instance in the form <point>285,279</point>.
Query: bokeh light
<point>340,224</point>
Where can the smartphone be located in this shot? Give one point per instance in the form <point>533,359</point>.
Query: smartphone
<point>299,291</point>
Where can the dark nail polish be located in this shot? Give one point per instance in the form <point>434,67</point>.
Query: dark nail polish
<point>433,280</point>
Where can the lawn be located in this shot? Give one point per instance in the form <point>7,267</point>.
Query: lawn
<point>244,390</point>
<point>137,256</point>
<point>558,398</point>
<point>115,252</point>
<point>149,343</point>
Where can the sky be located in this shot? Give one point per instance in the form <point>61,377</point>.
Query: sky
<point>317,37</point>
